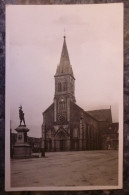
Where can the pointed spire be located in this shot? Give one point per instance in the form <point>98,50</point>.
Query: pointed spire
<point>64,60</point>
<point>64,66</point>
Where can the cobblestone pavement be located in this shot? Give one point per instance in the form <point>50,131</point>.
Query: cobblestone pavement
<point>83,168</point>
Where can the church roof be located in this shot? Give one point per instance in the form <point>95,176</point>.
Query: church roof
<point>49,108</point>
<point>64,66</point>
<point>101,115</point>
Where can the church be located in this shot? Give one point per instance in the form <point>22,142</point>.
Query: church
<point>66,126</point>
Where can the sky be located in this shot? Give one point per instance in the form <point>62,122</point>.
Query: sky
<point>34,40</point>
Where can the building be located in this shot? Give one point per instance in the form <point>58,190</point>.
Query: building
<point>66,126</point>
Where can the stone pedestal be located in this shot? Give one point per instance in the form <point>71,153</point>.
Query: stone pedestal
<point>21,148</point>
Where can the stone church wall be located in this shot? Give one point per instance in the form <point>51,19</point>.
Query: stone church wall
<point>85,133</point>
<point>48,117</point>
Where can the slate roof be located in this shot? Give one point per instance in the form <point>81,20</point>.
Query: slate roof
<point>101,115</point>
<point>64,66</point>
<point>49,108</point>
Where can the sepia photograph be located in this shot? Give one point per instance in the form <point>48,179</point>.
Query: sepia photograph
<point>64,97</point>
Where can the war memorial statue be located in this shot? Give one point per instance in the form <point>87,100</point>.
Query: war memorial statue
<point>21,148</point>
<point>21,116</point>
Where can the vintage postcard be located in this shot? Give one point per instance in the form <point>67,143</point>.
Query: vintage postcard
<point>64,97</point>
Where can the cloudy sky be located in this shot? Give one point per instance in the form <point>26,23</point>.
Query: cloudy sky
<point>34,39</point>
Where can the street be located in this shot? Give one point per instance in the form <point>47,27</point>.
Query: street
<point>80,168</point>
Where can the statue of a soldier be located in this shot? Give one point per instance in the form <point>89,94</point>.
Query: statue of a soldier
<point>21,116</point>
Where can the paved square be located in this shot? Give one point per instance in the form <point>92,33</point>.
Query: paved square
<point>81,168</point>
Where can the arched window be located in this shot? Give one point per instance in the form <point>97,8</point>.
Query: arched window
<point>62,105</point>
<point>59,86</point>
<point>65,86</point>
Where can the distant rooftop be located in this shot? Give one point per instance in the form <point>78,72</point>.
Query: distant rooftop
<point>101,115</point>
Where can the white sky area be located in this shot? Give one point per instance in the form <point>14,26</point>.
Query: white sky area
<point>34,39</point>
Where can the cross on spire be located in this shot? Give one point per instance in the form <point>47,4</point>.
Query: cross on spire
<point>64,34</point>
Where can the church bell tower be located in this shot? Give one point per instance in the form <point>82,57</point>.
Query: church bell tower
<point>64,88</point>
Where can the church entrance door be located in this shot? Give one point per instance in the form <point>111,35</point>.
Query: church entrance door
<point>61,140</point>
<point>75,144</point>
<point>62,145</point>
